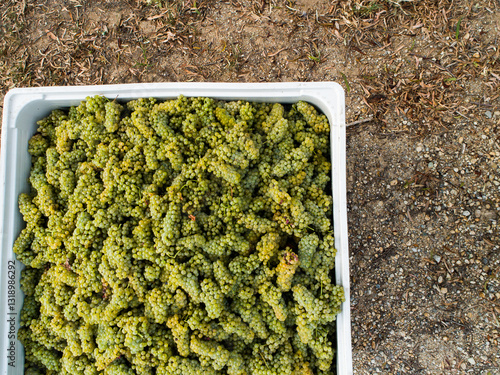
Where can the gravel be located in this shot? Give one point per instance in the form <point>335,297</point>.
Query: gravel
<point>425,254</point>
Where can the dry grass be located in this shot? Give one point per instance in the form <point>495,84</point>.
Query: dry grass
<point>410,68</point>
<point>430,53</point>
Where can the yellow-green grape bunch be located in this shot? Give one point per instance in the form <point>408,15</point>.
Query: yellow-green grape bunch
<point>286,270</point>
<point>190,236</point>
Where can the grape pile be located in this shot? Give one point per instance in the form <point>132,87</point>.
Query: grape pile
<point>190,236</point>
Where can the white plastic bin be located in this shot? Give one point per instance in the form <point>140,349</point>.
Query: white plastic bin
<point>24,107</point>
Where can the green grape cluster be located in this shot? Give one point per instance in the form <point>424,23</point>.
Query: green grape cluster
<point>190,236</point>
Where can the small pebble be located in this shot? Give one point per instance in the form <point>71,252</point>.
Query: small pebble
<point>472,361</point>
<point>444,290</point>
<point>437,258</point>
<point>440,279</point>
<point>466,213</point>
<point>488,114</point>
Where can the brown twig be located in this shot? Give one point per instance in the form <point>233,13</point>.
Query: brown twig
<point>360,121</point>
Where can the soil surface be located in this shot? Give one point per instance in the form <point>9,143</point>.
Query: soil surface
<point>422,81</point>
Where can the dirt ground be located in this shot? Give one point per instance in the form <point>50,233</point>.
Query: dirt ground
<point>422,81</point>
